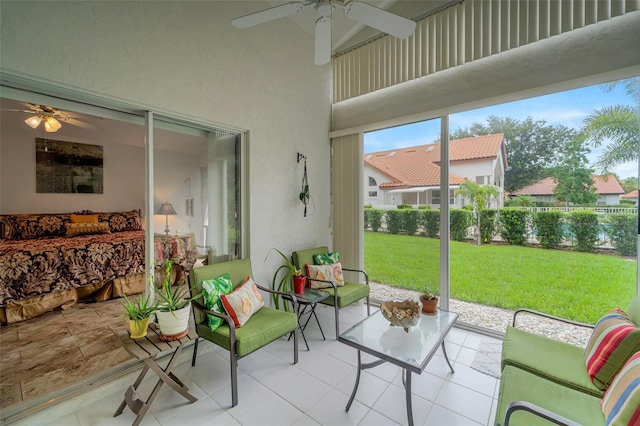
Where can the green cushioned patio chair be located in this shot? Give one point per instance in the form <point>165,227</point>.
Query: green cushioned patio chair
<point>264,326</point>
<point>339,296</point>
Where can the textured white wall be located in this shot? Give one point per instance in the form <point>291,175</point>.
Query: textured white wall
<point>123,178</point>
<point>186,57</point>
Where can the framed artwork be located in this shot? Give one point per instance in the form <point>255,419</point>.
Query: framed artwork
<point>68,167</point>
<point>189,207</point>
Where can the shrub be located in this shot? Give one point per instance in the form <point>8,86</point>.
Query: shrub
<point>622,228</point>
<point>460,221</point>
<point>373,218</point>
<point>513,225</point>
<point>424,207</point>
<point>411,221</point>
<point>431,222</point>
<point>394,221</point>
<point>548,227</point>
<point>404,206</point>
<point>487,224</point>
<point>584,228</point>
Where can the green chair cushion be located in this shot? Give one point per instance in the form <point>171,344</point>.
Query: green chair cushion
<point>634,310</point>
<point>263,327</point>
<point>238,270</point>
<point>347,294</point>
<point>552,359</point>
<point>520,385</point>
<point>303,257</point>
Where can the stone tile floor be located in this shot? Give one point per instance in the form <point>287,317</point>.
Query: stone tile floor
<point>271,389</point>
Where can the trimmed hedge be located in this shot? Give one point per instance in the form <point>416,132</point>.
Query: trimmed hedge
<point>373,219</point>
<point>411,221</point>
<point>431,222</point>
<point>395,221</point>
<point>460,221</point>
<point>622,228</point>
<point>548,227</point>
<point>514,226</point>
<point>584,228</point>
<point>487,224</point>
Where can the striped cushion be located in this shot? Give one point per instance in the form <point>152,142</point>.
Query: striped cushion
<point>614,340</point>
<point>621,402</point>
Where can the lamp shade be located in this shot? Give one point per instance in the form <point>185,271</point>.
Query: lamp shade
<point>167,209</point>
<point>33,122</point>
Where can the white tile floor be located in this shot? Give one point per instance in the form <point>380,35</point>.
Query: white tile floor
<point>273,391</point>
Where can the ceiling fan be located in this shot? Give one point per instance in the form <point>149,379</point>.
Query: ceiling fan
<point>49,117</point>
<point>364,13</point>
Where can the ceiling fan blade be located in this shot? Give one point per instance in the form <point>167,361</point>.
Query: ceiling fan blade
<point>268,15</point>
<point>323,40</point>
<point>18,110</point>
<point>379,19</point>
<point>84,125</point>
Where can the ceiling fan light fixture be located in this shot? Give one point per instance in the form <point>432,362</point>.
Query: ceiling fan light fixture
<point>33,122</point>
<point>51,125</point>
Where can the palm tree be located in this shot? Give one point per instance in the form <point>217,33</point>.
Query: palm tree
<point>617,124</point>
<point>479,197</point>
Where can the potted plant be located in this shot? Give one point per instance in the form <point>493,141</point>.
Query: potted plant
<point>138,313</point>
<point>429,299</point>
<point>299,281</point>
<point>173,307</point>
<point>286,280</point>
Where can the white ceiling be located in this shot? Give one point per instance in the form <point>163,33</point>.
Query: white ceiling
<point>102,131</point>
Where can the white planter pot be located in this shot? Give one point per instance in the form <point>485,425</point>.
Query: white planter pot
<point>172,323</point>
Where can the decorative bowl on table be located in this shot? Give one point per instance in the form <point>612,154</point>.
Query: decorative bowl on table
<point>401,314</point>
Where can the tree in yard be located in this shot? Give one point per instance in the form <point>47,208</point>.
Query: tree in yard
<point>574,184</point>
<point>479,197</point>
<point>617,125</point>
<point>533,147</point>
<point>628,184</point>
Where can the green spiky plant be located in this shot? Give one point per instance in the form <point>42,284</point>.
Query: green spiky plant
<point>285,284</point>
<point>173,299</point>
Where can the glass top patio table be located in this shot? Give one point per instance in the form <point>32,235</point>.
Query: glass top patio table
<point>411,350</point>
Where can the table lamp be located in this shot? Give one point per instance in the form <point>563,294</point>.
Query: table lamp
<point>166,209</point>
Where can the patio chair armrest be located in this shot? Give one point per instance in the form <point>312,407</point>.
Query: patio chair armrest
<point>202,308</point>
<point>538,411</point>
<point>548,316</point>
<point>366,276</point>
<point>335,286</point>
<point>288,296</point>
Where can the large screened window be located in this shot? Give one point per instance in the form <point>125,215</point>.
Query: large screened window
<point>513,169</point>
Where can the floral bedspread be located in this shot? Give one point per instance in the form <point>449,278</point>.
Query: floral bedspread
<point>33,267</point>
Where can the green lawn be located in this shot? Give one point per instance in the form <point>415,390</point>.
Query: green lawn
<point>578,286</point>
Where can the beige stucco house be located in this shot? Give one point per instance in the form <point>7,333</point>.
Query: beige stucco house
<point>412,175</point>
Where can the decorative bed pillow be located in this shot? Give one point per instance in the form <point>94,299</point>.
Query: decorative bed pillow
<point>621,402</point>
<point>122,221</point>
<point>326,258</point>
<point>84,218</point>
<point>245,301</point>
<point>613,341</point>
<point>32,226</point>
<point>74,229</point>
<point>212,290</point>
<point>332,272</point>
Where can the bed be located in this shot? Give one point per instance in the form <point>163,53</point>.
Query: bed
<point>54,261</point>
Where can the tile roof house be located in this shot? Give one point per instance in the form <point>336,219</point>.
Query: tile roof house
<point>631,196</point>
<point>607,188</point>
<point>412,175</point>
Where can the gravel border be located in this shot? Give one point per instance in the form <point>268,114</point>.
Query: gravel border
<point>491,317</point>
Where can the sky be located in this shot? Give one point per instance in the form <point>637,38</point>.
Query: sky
<point>566,108</point>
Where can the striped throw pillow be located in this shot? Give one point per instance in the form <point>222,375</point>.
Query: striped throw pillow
<point>613,341</point>
<point>621,402</point>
